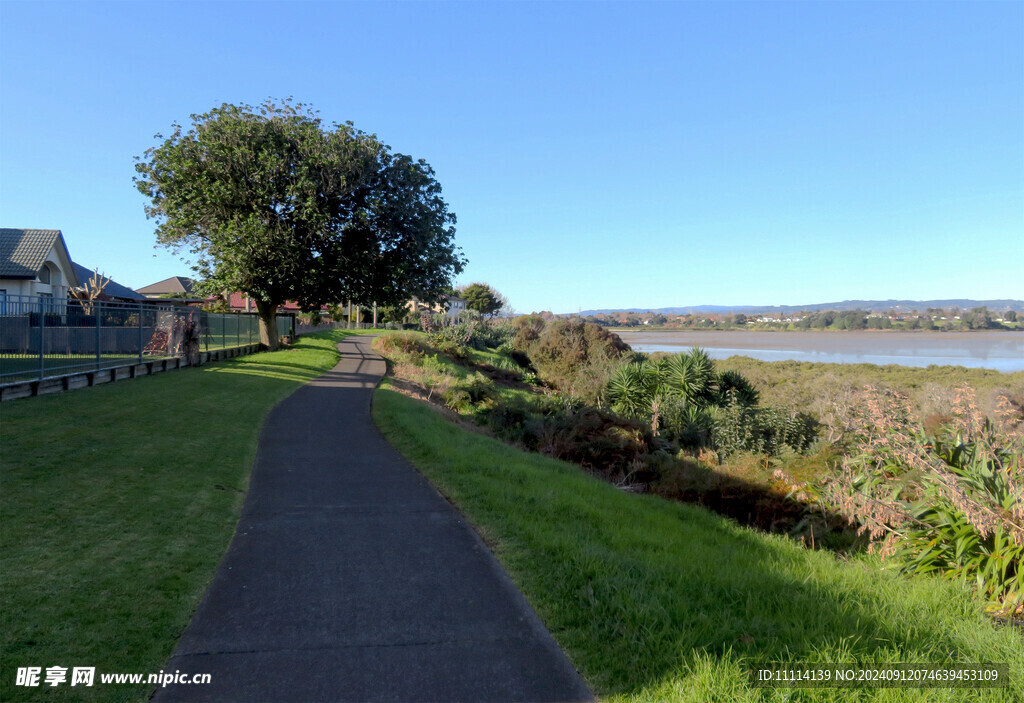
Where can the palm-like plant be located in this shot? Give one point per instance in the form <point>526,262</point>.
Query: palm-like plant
<point>693,427</point>
<point>689,376</point>
<point>734,388</point>
<point>632,388</point>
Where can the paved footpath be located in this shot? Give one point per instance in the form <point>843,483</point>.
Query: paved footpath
<point>350,579</point>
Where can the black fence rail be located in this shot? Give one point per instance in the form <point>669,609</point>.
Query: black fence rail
<point>44,337</point>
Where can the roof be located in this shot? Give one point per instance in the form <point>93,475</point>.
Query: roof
<point>23,251</point>
<point>113,288</point>
<point>236,301</point>
<point>174,284</point>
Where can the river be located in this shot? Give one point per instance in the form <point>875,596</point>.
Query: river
<point>1002,351</point>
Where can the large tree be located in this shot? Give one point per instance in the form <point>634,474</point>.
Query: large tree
<point>482,298</point>
<point>275,204</point>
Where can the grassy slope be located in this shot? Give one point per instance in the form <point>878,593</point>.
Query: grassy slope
<point>117,503</point>
<point>654,600</point>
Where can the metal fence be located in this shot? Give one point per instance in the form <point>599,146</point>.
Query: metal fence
<point>42,337</point>
<point>305,328</point>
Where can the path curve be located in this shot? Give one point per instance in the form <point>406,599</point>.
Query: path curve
<point>350,579</point>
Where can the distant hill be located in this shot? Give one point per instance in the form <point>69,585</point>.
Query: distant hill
<point>868,305</point>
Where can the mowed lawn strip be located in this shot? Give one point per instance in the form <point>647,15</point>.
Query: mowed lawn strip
<point>117,503</point>
<point>654,600</point>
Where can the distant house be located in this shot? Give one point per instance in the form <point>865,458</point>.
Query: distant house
<point>178,286</point>
<point>112,290</point>
<point>35,262</point>
<point>240,302</point>
<point>450,305</point>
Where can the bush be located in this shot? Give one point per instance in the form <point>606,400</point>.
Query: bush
<point>619,449</point>
<point>575,357</point>
<point>949,501</point>
<point>311,318</point>
<point>632,388</point>
<point>451,348</point>
<point>407,347</point>
<point>509,421</point>
<point>733,388</point>
<point>688,425</point>
<point>460,333</point>
<point>766,430</point>
<point>495,334</point>
<point>676,394</point>
<point>465,394</point>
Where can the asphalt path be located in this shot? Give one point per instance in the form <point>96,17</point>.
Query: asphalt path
<point>350,578</point>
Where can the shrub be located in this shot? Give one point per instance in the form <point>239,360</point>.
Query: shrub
<point>689,425</point>
<point>509,421</point>
<point>495,334</point>
<point>733,388</point>
<point>460,333</point>
<point>690,376</point>
<point>430,322</point>
<point>632,388</point>
<point>451,348</point>
<point>465,394</point>
<point>676,393</point>
<point>402,347</point>
<point>948,502</point>
<point>766,430</point>
<point>311,318</point>
<point>573,356</point>
<point>617,448</point>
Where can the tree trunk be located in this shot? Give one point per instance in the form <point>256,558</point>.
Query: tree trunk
<point>268,325</point>
<point>348,324</point>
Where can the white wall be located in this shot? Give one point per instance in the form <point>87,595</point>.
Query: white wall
<point>57,287</point>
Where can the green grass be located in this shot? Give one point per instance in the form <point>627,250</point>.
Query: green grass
<point>485,356</point>
<point>654,600</point>
<point>117,503</point>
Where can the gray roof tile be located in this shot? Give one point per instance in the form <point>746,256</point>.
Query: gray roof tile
<point>23,251</point>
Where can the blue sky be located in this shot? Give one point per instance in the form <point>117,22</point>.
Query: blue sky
<point>596,154</point>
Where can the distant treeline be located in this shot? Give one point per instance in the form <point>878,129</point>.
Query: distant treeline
<point>979,318</point>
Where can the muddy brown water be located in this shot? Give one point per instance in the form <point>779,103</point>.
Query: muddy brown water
<point>999,350</point>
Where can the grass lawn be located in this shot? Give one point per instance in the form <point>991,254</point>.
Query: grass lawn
<point>117,503</point>
<point>655,601</point>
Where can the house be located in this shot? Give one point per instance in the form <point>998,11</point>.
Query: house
<point>35,262</point>
<point>240,302</point>
<point>112,290</point>
<point>450,305</point>
<point>175,286</point>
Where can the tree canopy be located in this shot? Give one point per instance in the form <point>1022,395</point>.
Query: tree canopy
<point>275,204</point>
<point>482,298</point>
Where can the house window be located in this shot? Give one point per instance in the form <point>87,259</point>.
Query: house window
<point>49,274</point>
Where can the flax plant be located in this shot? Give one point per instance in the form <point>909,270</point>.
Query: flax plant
<point>949,501</point>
